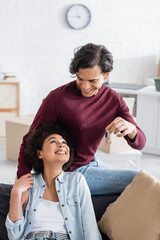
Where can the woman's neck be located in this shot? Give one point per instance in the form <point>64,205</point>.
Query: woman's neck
<point>50,175</point>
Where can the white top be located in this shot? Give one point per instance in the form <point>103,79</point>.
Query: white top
<point>48,217</point>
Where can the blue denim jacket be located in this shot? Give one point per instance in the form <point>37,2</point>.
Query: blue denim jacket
<point>76,204</point>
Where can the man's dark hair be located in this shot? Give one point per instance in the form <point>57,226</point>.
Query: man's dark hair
<point>91,55</point>
<point>35,140</point>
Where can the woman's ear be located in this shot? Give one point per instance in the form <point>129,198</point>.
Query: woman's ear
<point>39,154</point>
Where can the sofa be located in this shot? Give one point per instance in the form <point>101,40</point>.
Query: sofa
<point>100,203</point>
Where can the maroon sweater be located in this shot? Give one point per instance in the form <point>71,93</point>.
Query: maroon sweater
<point>84,118</point>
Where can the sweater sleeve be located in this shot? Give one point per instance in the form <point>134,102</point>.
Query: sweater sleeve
<point>140,139</point>
<point>45,114</point>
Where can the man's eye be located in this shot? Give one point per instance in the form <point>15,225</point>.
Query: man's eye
<point>64,142</point>
<point>53,141</point>
<point>93,81</point>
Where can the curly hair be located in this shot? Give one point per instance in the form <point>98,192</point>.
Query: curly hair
<point>91,55</point>
<point>35,140</point>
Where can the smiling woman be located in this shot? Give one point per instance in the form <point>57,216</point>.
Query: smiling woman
<point>54,150</point>
<point>42,144</point>
<point>51,191</point>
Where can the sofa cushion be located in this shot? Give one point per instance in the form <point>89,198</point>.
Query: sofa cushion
<point>136,213</point>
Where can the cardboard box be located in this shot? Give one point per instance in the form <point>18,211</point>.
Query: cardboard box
<point>117,145</point>
<point>15,130</point>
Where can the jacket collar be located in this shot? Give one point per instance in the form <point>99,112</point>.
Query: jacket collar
<point>39,180</point>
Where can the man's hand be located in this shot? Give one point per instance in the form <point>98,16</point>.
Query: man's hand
<point>23,183</point>
<point>121,128</point>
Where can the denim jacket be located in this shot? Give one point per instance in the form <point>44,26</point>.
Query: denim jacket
<point>76,204</point>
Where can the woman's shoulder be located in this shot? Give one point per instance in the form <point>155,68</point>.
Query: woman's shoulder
<point>73,176</point>
<point>38,180</point>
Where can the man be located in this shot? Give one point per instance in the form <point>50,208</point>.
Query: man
<point>87,108</point>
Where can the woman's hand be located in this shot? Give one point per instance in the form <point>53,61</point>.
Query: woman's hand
<point>121,128</point>
<point>22,184</point>
<point>19,196</point>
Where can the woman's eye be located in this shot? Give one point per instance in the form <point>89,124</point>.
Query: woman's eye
<point>64,142</point>
<point>53,142</point>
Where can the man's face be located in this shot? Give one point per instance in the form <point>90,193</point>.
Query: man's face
<point>90,80</point>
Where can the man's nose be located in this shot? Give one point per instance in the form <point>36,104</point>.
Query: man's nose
<point>86,85</point>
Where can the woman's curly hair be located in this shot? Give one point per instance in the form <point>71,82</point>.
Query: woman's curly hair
<point>91,55</point>
<point>35,140</point>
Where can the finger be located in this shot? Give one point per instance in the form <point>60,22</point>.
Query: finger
<point>25,176</point>
<point>116,120</point>
<point>124,133</point>
<point>30,181</point>
<point>29,186</point>
<point>28,175</point>
<point>29,178</point>
<point>120,129</point>
<point>116,127</point>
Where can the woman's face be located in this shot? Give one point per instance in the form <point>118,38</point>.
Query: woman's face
<point>54,149</point>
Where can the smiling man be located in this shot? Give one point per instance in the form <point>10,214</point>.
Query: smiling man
<point>90,80</point>
<point>87,108</point>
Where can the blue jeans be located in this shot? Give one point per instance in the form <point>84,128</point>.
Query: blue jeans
<point>102,180</point>
<point>41,238</point>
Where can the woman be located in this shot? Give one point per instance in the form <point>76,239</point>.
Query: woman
<point>88,108</point>
<point>58,204</point>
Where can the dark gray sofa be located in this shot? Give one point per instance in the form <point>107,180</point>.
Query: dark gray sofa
<point>100,203</point>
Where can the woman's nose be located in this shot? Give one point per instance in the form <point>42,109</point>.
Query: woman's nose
<point>60,144</point>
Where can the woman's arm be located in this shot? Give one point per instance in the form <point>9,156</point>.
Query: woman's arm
<point>90,227</point>
<point>19,196</point>
<point>15,221</point>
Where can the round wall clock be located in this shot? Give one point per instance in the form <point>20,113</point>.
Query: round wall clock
<point>78,16</point>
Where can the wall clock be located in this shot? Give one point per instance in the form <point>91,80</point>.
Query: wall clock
<point>78,16</point>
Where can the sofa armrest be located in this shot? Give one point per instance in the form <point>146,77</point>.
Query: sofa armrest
<point>5,190</point>
<point>100,203</point>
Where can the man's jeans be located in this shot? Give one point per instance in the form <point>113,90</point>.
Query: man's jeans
<point>102,180</point>
<point>41,238</point>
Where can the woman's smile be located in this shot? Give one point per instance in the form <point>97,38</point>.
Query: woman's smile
<point>61,152</point>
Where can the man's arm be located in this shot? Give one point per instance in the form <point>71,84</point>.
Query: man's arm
<point>125,126</point>
<point>45,114</point>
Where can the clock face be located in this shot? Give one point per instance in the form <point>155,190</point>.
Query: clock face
<point>78,16</point>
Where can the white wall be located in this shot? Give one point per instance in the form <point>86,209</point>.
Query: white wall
<point>37,44</point>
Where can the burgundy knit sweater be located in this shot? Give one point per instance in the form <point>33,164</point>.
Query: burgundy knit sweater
<point>84,118</point>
